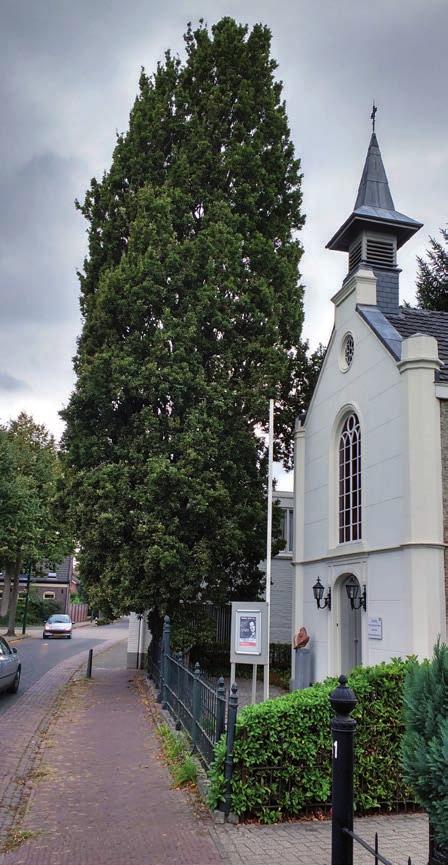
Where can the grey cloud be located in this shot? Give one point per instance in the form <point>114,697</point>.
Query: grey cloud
<point>39,234</point>
<point>11,383</point>
<point>68,77</point>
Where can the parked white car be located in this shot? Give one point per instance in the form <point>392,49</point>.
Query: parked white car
<point>58,625</point>
<point>10,667</point>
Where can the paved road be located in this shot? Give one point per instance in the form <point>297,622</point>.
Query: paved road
<point>38,656</point>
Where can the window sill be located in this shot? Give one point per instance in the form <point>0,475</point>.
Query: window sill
<point>347,548</point>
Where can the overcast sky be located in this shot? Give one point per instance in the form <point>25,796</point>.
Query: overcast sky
<point>68,77</point>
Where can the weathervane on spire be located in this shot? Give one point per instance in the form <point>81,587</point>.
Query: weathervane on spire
<point>372,116</point>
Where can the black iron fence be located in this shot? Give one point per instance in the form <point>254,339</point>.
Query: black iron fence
<point>196,706</point>
<point>199,706</point>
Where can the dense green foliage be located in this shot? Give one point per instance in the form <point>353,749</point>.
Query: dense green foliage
<point>31,525</point>
<point>432,277</point>
<point>192,319</point>
<point>38,609</point>
<point>215,658</point>
<point>425,743</point>
<point>282,754</point>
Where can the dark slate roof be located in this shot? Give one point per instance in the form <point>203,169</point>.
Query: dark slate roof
<point>374,205</point>
<point>430,322</point>
<point>383,328</point>
<point>61,574</point>
<point>374,188</point>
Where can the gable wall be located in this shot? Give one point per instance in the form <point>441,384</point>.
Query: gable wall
<point>372,384</point>
<point>444,444</point>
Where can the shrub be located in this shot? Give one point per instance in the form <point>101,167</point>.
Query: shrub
<point>425,742</point>
<point>282,753</point>
<point>176,749</point>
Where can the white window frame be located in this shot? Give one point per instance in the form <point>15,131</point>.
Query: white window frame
<point>349,480</point>
<point>288,533</point>
<point>49,596</point>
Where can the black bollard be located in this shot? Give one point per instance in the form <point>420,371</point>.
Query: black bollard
<point>89,665</point>
<point>343,701</point>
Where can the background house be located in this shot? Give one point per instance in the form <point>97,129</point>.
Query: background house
<point>50,584</point>
<point>282,573</point>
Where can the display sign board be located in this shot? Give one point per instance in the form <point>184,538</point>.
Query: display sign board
<point>375,628</point>
<point>249,638</point>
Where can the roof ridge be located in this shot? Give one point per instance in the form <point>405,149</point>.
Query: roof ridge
<point>419,311</point>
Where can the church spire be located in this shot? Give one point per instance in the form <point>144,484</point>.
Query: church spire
<point>375,230</point>
<point>374,207</point>
<point>374,187</point>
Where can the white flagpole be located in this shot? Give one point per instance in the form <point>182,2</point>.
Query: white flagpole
<point>269,544</point>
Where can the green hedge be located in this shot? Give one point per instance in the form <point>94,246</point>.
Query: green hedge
<point>282,755</point>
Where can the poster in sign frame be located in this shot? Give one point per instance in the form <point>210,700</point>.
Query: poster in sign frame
<point>248,632</point>
<point>249,642</point>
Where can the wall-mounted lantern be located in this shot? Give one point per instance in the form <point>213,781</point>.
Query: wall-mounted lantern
<point>356,601</point>
<point>318,592</point>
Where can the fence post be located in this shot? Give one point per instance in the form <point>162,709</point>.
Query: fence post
<point>164,664</point>
<point>196,705</point>
<point>220,708</point>
<point>228,766</point>
<point>343,701</point>
<point>178,696</point>
<point>159,661</point>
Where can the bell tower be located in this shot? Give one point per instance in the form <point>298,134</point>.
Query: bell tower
<point>374,231</point>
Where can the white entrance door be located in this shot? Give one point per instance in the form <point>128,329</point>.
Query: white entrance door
<point>350,629</point>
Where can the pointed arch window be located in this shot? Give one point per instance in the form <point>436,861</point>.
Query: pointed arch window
<point>350,481</point>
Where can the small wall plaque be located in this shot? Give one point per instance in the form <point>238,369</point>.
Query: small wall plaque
<point>375,628</point>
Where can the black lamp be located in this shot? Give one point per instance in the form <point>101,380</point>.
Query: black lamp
<point>318,592</point>
<point>356,601</point>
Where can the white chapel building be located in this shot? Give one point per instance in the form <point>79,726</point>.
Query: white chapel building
<point>371,458</point>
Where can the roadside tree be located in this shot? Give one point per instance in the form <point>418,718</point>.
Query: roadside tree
<point>30,524</point>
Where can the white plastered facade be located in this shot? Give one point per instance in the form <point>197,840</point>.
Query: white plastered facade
<point>400,559</point>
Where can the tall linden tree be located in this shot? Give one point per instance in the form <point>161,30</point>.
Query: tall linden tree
<point>193,312</point>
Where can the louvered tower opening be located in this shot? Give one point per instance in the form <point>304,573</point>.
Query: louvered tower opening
<point>373,250</point>
<point>380,252</point>
<point>355,254</point>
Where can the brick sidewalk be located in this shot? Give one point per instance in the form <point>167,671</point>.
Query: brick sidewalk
<point>23,726</point>
<point>309,843</point>
<point>103,796</point>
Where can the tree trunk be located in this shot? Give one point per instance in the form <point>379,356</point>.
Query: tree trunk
<point>13,601</point>
<point>4,606</point>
